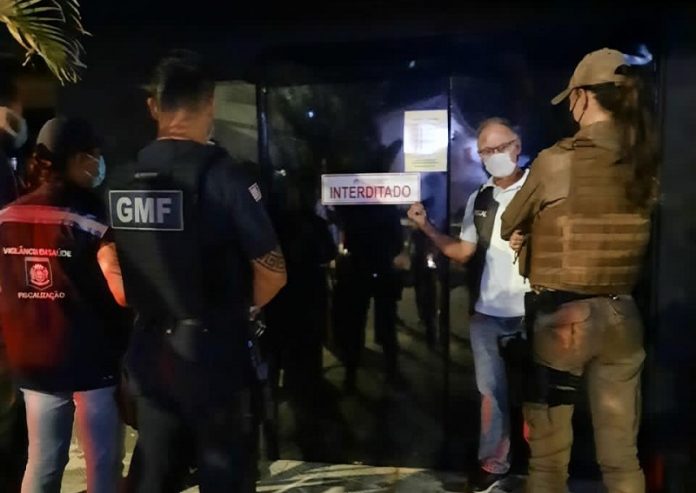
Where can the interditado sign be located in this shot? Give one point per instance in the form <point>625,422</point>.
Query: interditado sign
<point>370,188</point>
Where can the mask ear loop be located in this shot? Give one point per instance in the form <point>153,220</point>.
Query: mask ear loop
<point>519,150</point>
<point>584,108</point>
<point>87,172</point>
<point>572,108</point>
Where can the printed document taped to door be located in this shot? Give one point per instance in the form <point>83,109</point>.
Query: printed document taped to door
<point>425,141</point>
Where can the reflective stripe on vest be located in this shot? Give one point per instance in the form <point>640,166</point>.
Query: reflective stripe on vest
<point>40,214</point>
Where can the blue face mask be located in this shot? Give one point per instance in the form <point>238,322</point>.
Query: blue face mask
<point>98,179</point>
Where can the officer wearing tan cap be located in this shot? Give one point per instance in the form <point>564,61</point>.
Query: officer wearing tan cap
<point>581,226</point>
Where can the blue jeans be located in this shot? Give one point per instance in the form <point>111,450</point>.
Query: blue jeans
<point>50,422</point>
<point>491,380</point>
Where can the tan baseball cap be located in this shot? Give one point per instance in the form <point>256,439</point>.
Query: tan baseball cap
<point>598,67</point>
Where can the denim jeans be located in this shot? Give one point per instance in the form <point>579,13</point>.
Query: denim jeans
<point>50,422</point>
<point>491,380</point>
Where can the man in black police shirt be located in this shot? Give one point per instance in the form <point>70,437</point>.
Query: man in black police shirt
<point>197,253</point>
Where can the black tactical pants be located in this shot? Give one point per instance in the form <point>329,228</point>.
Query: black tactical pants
<point>358,288</point>
<point>192,411</point>
<point>425,285</point>
<point>217,439</point>
<point>13,431</point>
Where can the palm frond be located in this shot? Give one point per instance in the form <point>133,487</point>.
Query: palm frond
<point>50,29</point>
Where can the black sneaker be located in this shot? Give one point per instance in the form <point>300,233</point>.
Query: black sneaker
<point>485,482</point>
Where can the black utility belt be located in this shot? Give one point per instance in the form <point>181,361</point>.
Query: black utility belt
<point>168,323</point>
<point>162,322</point>
<point>549,300</point>
<point>562,296</point>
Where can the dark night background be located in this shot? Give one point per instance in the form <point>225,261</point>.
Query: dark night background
<point>515,55</point>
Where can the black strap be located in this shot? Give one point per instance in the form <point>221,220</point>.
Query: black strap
<point>486,204</point>
<point>181,170</point>
<point>550,301</point>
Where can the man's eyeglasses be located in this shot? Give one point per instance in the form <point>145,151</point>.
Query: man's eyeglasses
<point>489,151</point>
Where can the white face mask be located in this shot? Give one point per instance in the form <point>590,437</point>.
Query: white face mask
<point>499,165</point>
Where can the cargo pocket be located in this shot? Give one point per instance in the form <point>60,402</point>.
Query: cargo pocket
<point>624,333</point>
<point>562,339</point>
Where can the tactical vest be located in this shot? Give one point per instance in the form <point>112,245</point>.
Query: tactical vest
<point>485,210</point>
<point>594,241</point>
<point>154,214</point>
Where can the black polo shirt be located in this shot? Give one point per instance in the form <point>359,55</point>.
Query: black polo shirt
<point>235,229</point>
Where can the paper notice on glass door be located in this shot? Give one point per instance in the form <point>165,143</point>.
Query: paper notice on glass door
<point>425,141</point>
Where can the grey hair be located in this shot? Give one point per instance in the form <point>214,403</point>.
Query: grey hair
<point>497,120</point>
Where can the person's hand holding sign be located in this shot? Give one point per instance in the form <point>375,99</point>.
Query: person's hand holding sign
<point>418,214</point>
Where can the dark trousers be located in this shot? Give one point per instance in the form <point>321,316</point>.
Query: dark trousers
<point>296,322</point>
<point>424,281</point>
<point>217,438</point>
<point>425,286</point>
<point>358,288</point>
<point>13,446</point>
<point>13,431</point>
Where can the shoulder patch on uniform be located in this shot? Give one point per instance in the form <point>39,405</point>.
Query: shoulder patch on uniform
<point>255,192</point>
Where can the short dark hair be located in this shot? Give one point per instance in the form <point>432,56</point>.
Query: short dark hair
<point>181,80</point>
<point>73,136</point>
<point>496,120</point>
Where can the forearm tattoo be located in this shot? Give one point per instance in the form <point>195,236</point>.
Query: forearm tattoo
<point>273,261</point>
